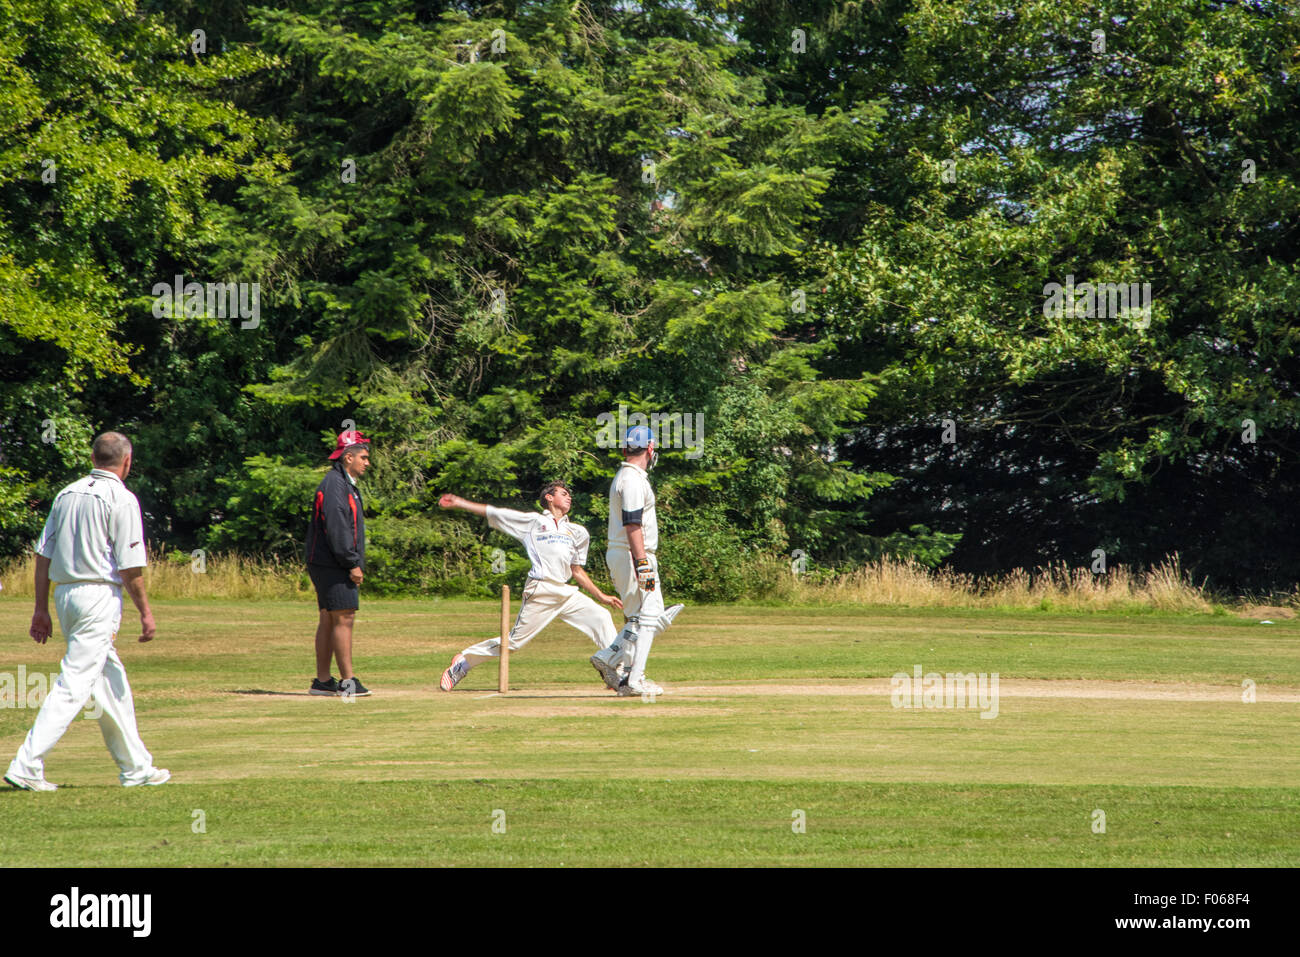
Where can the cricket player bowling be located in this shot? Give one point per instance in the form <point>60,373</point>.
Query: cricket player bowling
<point>557,549</point>
<point>633,540</point>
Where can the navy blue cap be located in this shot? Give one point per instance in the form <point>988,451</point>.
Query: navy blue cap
<point>638,437</point>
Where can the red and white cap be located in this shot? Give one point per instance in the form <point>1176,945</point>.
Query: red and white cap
<point>347,440</point>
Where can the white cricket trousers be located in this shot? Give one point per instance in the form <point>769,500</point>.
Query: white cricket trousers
<point>89,615</point>
<point>641,608</point>
<point>543,602</point>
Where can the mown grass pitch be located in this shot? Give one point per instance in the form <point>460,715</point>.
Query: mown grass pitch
<point>776,744</point>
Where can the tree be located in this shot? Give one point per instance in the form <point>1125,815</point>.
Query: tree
<point>114,141</point>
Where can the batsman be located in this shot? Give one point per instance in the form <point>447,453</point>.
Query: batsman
<point>633,540</point>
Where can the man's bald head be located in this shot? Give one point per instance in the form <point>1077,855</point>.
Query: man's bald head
<point>110,450</point>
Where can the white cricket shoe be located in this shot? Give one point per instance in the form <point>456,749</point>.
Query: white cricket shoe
<point>644,686</point>
<point>30,784</point>
<point>158,776</point>
<point>458,669</point>
<point>669,614</point>
<point>608,673</point>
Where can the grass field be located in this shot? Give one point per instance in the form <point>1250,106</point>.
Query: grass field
<point>776,743</point>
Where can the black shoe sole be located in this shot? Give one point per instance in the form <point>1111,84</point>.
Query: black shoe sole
<point>603,680</point>
<point>600,673</point>
<point>20,787</point>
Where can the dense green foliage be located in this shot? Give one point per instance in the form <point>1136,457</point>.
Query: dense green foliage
<point>825,228</point>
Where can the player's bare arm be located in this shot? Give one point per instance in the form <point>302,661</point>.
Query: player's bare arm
<point>584,581</point>
<point>465,505</point>
<point>133,582</point>
<point>635,542</point>
<point>42,626</point>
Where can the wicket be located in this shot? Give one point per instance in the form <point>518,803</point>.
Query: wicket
<point>503,673</point>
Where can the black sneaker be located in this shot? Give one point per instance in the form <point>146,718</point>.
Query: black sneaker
<point>330,687</point>
<point>352,688</point>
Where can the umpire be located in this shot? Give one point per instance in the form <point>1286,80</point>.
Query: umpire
<point>336,556</point>
<point>93,549</point>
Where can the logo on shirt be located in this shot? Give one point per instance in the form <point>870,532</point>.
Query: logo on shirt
<point>134,544</point>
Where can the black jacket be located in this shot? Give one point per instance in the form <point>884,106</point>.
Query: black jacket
<point>336,535</point>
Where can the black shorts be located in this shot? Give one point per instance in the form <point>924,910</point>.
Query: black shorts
<point>335,589</point>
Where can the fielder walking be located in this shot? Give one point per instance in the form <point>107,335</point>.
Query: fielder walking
<point>336,559</point>
<point>92,547</point>
<point>558,551</point>
<point>633,540</point>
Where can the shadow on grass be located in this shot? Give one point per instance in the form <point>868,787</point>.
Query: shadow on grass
<point>533,695</point>
<point>279,694</point>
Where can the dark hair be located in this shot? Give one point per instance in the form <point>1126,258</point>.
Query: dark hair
<point>549,488</point>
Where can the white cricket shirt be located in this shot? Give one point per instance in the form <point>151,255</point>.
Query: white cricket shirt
<point>94,530</point>
<point>552,545</point>
<point>632,500</point>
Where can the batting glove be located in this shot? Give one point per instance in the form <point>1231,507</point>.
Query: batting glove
<point>645,575</point>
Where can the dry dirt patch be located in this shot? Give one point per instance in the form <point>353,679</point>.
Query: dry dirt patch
<point>566,700</point>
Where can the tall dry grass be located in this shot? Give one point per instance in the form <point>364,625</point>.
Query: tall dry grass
<point>1057,587</point>
<point>222,576</point>
<point>901,583</point>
